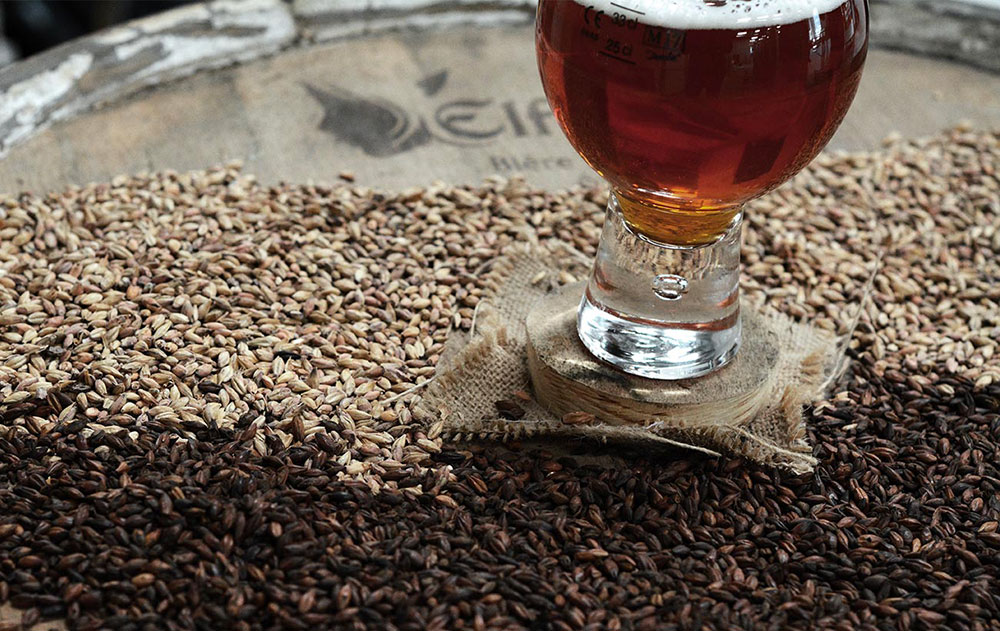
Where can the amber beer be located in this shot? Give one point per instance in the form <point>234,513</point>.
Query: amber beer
<point>689,109</point>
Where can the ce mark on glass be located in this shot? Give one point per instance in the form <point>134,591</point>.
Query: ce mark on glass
<point>590,16</point>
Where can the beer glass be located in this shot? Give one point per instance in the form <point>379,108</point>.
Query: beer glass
<point>689,108</point>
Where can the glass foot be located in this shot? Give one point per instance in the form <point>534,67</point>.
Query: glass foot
<point>661,311</point>
<point>653,350</point>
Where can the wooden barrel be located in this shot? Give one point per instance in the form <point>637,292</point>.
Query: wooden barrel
<point>399,92</point>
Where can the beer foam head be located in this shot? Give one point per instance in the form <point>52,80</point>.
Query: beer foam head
<point>714,14</point>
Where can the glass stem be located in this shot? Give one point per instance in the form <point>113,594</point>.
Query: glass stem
<point>662,311</point>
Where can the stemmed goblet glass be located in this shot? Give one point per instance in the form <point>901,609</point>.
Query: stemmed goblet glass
<point>689,109</point>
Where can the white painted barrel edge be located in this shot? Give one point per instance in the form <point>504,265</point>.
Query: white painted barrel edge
<point>109,65</point>
<point>86,72</point>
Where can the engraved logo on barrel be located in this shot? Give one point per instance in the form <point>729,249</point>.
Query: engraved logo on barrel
<point>381,127</point>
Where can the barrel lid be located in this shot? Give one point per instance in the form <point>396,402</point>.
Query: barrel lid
<point>399,92</point>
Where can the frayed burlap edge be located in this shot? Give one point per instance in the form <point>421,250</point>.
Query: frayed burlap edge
<point>489,365</point>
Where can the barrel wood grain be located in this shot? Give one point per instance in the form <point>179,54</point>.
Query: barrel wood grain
<point>946,29</point>
<point>66,81</point>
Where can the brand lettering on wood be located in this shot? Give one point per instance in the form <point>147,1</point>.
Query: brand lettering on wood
<point>380,127</point>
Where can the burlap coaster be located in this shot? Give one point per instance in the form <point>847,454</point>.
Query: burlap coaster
<point>490,366</point>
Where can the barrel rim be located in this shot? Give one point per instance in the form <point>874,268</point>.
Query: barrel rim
<point>114,63</point>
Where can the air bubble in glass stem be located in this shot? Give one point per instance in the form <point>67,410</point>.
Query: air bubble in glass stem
<point>670,286</point>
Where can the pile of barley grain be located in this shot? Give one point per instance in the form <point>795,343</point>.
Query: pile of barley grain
<point>205,415</point>
<point>932,207</point>
<point>207,300</point>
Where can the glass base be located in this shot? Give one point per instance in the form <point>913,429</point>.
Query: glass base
<point>654,351</point>
<point>661,311</point>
